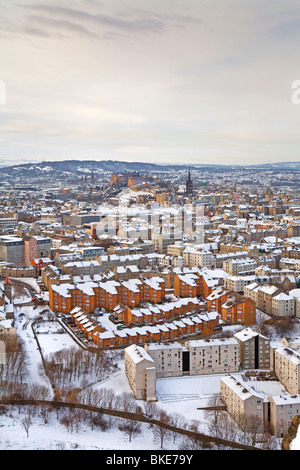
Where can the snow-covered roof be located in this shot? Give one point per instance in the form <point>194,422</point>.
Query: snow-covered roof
<point>138,354</point>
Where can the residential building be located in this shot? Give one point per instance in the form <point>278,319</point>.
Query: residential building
<point>12,249</point>
<point>216,299</point>
<point>177,249</point>
<point>187,285</point>
<point>295,293</point>
<point>195,357</point>
<point>265,296</point>
<point>162,240</point>
<point>237,267</point>
<point>287,368</point>
<point>238,309</point>
<point>244,404</point>
<point>283,408</point>
<point>199,258</point>
<point>254,350</point>
<point>140,372</point>
<point>80,218</point>
<point>87,325</point>
<point>238,283</point>
<point>167,357</point>
<point>258,411</point>
<point>283,305</point>
<point>8,223</point>
<point>154,313</point>
<point>107,294</point>
<point>7,329</point>
<point>202,323</point>
<point>36,247</point>
<point>191,284</point>
<point>81,268</point>
<point>289,263</point>
<point>213,356</point>
<point>251,291</point>
<point>91,252</point>
<point>233,307</point>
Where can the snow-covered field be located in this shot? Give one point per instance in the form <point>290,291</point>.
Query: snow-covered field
<point>295,444</point>
<point>55,436</point>
<point>183,395</point>
<point>52,337</point>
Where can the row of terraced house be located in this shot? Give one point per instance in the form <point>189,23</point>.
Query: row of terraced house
<point>90,295</point>
<point>194,324</point>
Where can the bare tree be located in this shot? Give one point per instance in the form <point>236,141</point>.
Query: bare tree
<point>261,325</point>
<point>100,422</point>
<point>178,421</point>
<point>160,431</point>
<point>26,421</point>
<point>252,428</point>
<point>78,366</point>
<point>77,417</point>
<point>131,428</point>
<point>150,410</point>
<point>227,428</point>
<point>14,368</point>
<point>269,442</point>
<point>194,443</point>
<point>213,414</point>
<point>127,402</point>
<point>67,422</point>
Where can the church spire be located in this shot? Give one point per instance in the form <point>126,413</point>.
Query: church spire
<point>189,184</point>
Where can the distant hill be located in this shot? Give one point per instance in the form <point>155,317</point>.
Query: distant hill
<point>84,166</point>
<point>78,167</point>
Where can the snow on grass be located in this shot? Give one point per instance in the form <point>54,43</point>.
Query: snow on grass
<point>30,281</point>
<point>54,436</point>
<point>53,338</point>
<point>295,444</point>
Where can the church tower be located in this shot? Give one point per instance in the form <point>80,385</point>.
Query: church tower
<point>189,184</point>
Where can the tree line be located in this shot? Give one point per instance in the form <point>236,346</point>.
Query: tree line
<point>78,366</point>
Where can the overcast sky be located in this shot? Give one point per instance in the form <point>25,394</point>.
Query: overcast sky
<point>181,81</point>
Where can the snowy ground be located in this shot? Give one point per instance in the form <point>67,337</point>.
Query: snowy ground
<point>30,281</point>
<point>185,395</point>
<point>295,444</point>
<point>51,339</point>
<point>23,320</point>
<point>54,436</point>
<point>191,393</point>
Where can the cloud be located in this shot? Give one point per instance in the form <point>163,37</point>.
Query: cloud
<point>54,26</point>
<point>68,20</point>
<point>128,20</point>
<point>184,79</point>
<point>28,30</point>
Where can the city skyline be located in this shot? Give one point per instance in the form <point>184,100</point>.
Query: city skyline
<point>199,82</point>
